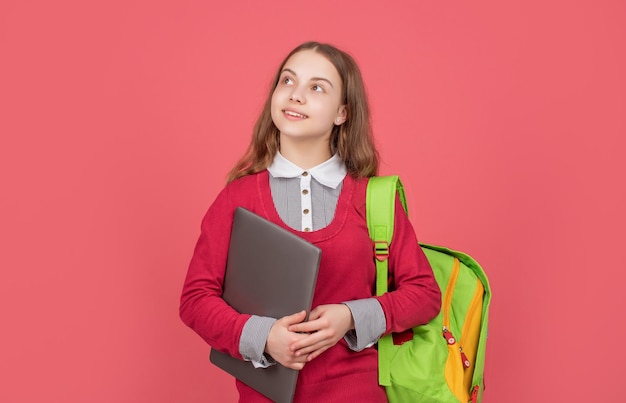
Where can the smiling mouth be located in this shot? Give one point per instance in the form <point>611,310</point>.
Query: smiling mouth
<point>294,114</point>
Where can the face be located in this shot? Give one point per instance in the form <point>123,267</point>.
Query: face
<point>307,102</point>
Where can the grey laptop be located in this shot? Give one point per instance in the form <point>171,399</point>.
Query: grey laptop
<point>270,272</point>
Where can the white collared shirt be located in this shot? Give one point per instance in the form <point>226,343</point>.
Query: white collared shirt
<point>305,214</point>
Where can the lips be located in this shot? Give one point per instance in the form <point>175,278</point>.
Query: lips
<point>294,114</point>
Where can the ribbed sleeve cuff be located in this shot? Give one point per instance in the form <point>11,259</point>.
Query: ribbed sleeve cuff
<point>369,323</point>
<point>253,339</point>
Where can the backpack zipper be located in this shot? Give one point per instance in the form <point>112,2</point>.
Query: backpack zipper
<point>462,358</point>
<point>470,317</point>
<point>447,302</point>
<point>454,371</point>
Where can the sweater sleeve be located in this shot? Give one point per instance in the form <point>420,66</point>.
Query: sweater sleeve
<point>201,306</point>
<point>414,297</point>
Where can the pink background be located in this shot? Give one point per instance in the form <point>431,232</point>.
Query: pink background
<point>120,119</point>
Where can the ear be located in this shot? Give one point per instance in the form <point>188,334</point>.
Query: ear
<point>342,115</point>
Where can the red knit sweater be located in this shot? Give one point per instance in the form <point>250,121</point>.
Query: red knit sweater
<point>347,272</point>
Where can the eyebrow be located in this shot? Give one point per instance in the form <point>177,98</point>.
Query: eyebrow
<point>312,78</point>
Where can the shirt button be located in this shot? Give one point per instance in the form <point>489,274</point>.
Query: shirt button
<point>305,173</point>
<point>305,211</point>
<point>305,192</point>
<point>307,229</point>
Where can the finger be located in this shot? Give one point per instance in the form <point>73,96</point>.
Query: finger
<point>316,353</point>
<point>306,327</point>
<point>297,359</point>
<point>294,318</point>
<point>295,365</point>
<point>298,366</point>
<point>316,312</point>
<point>309,345</point>
<point>305,352</point>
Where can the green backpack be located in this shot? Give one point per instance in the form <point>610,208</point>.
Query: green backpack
<point>444,361</point>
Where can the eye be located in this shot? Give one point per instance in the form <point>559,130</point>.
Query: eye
<point>287,80</point>
<point>317,88</point>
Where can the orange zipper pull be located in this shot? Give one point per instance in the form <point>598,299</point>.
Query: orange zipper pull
<point>447,334</point>
<point>466,362</point>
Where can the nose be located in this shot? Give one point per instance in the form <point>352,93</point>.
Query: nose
<point>297,95</point>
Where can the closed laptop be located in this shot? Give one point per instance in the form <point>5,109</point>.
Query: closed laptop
<point>270,272</point>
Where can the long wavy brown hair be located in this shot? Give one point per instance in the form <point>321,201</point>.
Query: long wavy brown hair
<point>353,140</point>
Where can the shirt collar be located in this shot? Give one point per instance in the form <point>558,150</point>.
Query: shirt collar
<point>329,173</point>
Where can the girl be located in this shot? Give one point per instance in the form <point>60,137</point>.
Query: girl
<point>306,169</point>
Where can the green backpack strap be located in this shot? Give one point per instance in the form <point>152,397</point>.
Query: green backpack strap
<point>380,209</point>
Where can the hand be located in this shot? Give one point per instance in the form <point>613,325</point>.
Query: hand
<point>280,338</point>
<point>327,325</point>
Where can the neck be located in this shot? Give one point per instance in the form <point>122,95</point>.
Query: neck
<point>305,153</point>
